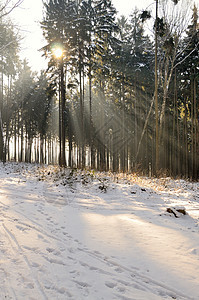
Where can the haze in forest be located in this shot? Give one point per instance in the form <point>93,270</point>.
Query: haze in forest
<point>122,95</point>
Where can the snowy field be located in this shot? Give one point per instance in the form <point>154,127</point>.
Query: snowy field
<point>93,236</point>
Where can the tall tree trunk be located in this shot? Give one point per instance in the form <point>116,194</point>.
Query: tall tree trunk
<point>22,141</point>
<point>15,138</point>
<point>91,127</point>
<point>186,143</point>
<point>156,93</point>
<point>30,149</point>
<point>102,131</point>
<point>195,124</point>
<point>41,149</point>
<point>82,138</point>
<point>174,141</point>
<point>2,155</point>
<point>2,146</point>
<point>70,139</point>
<point>63,108</point>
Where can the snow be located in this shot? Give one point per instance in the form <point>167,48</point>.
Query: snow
<point>87,235</point>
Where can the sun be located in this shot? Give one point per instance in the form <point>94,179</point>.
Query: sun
<point>58,52</point>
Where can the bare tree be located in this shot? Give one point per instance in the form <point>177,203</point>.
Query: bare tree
<point>8,6</point>
<point>176,19</point>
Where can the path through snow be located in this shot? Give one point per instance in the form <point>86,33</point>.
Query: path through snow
<point>89,237</point>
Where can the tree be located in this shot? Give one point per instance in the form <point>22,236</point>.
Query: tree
<point>59,30</point>
<point>86,31</point>
<point>9,48</point>
<point>188,76</point>
<point>168,36</point>
<point>6,7</point>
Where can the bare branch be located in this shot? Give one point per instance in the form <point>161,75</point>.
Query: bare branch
<point>5,10</point>
<point>145,126</point>
<point>187,56</point>
<point>8,44</point>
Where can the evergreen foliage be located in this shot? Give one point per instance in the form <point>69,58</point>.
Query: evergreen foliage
<point>98,97</point>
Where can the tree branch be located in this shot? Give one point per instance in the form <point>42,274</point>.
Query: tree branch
<point>9,9</point>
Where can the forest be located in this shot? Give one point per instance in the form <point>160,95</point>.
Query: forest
<point>119,94</point>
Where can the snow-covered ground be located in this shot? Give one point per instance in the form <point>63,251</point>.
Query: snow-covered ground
<point>96,236</point>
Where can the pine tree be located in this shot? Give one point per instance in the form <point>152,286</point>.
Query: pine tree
<point>8,59</point>
<point>188,76</point>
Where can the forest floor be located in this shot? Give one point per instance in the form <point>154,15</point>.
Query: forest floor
<point>85,235</point>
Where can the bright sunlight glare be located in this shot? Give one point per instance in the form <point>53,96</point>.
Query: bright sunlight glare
<point>58,52</point>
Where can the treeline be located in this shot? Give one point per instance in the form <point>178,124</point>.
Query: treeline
<point>26,100</point>
<point>94,106</point>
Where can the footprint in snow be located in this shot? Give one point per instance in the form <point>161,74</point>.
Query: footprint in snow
<point>63,291</point>
<point>35,265</point>
<point>121,289</point>
<point>65,233</point>
<point>21,228</point>
<point>50,250</point>
<point>82,284</point>
<point>53,251</point>
<point>40,236</point>
<point>119,270</point>
<point>93,268</point>
<point>110,284</point>
<point>30,286</point>
<point>54,261</point>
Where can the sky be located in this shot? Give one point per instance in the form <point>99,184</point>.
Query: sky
<point>27,17</point>
<point>29,14</point>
